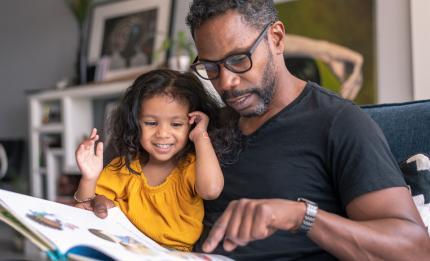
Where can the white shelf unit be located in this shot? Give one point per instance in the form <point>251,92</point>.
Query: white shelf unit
<point>71,126</point>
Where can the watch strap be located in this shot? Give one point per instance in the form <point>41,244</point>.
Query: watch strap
<point>310,215</point>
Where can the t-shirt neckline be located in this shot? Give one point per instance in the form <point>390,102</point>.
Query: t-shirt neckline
<point>287,108</point>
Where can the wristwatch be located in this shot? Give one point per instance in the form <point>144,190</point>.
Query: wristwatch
<point>310,215</point>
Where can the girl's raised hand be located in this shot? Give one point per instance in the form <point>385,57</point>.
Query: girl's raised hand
<point>90,161</point>
<point>201,120</point>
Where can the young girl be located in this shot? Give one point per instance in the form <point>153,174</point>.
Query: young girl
<point>166,162</point>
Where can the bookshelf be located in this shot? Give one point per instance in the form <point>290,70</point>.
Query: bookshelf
<point>59,120</point>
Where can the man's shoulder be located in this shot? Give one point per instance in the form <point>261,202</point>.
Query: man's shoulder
<point>325,97</point>
<point>319,102</point>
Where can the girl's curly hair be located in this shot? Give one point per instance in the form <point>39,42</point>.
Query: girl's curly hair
<point>125,130</point>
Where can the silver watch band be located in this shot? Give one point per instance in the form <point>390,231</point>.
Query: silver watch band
<point>310,215</point>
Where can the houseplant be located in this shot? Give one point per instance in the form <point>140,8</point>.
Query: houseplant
<point>181,51</point>
<point>80,9</point>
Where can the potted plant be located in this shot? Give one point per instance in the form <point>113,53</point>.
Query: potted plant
<point>80,9</point>
<point>181,51</point>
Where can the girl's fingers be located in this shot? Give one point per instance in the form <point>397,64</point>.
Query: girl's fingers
<point>192,119</point>
<point>88,143</point>
<point>99,149</point>
<point>92,138</point>
<point>93,133</point>
<point>197,119</point>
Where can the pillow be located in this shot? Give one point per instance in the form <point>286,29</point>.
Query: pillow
<point>416,171</point>
<point>423,209</point>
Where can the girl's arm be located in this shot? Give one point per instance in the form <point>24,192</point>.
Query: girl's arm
<point>209,178</point>
<point>90,163</point>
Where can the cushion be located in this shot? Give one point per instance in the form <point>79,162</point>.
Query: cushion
<point>416,171</point>
<point>423,209</point>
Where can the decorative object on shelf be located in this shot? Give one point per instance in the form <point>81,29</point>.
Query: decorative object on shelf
<point>181,50</point>
<point>80,9</point>
<point>128,33</point>
<point>51,112</point>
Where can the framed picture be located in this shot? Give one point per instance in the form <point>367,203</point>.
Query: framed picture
<point>332,43</point>
<point>127,35</point>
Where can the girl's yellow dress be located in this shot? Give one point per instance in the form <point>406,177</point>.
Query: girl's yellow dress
<point>170,213</point>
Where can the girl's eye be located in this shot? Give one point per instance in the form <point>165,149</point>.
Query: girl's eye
<point>177,124</point>
<point>150,123</point>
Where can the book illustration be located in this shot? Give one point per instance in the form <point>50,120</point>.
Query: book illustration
<point>49,220</point>
<point>126,241</point>
<point>65,232</point>
<point>45,219</point>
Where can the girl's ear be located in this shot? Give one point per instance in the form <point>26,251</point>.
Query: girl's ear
<point>277,34</point>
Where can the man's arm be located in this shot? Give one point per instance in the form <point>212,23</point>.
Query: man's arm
<point>382,225</point>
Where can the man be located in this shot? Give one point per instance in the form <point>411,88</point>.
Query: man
<point>315,179</point>
<point>298,141</point>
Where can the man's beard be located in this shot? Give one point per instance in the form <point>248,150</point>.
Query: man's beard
<point>264,92</point>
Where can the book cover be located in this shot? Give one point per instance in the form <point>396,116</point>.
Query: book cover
<point>66,232</point>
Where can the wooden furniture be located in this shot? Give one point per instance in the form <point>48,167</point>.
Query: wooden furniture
<point>59,120</point>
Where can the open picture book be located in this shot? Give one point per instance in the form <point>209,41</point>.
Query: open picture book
<point>66,232</point>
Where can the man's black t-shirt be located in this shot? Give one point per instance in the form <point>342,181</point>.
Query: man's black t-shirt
<point>320,147</point>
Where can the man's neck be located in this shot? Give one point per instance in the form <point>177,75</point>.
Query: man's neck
<point>285,93</point>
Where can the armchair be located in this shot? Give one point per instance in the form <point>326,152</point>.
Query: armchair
<point>405,125</point>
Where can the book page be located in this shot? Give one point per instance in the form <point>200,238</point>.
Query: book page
<point>76,230</point>
<point>15,224</point>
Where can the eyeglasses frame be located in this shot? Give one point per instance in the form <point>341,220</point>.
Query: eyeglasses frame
<point>223,61</point>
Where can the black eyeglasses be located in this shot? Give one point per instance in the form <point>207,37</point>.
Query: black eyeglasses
<point>237,63</point>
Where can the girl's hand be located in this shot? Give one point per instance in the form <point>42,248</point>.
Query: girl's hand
<point>201,120</point>
<point>90,162</point>
<point>99,205</point>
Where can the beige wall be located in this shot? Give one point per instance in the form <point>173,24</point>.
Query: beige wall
<point>394,70</point>
<point>420,12</point>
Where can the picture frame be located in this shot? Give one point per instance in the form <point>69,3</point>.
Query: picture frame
<point>332,43</point>
<point>128,35</point>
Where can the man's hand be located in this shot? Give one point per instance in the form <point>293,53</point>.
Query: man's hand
<point>99,205</point>
<point>247,220</point>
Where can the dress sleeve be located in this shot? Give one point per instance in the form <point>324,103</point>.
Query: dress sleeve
<point>189,177</point>
<point>360,157</point>
<point>112,182</point>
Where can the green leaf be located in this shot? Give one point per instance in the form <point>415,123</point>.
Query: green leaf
<point>80,9</point>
